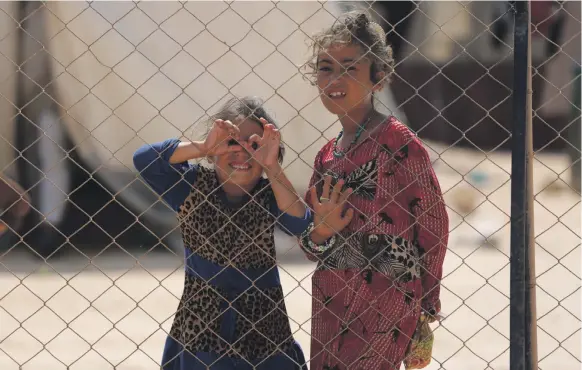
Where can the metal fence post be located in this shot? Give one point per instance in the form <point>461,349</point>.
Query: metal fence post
<point>523,343</point>
<point>573,133</point>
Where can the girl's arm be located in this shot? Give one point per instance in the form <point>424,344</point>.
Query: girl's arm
<point>186,151</point>
<point>287,199</point>
<point>290,211</point>
<point>165,169</point>
<point>431,228</point>
<point>315,180</point>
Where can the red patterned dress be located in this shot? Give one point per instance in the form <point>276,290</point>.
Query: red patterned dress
<point>369,287</point>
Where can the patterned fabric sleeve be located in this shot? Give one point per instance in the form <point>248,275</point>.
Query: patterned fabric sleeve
<point>173,182</point>
<point>290,225</point>
<point>426,204</point>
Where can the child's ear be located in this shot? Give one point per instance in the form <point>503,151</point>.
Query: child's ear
<point>379,81</point>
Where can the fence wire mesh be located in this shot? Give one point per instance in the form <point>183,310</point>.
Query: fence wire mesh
<point>91,277</point>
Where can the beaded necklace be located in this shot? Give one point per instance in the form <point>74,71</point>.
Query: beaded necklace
<point>341,153</point>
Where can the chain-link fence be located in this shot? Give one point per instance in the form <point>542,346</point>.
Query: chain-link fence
<point>92,276</point>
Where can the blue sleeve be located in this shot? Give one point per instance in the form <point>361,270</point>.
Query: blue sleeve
<point>173,182</point>
<point>291,225</point>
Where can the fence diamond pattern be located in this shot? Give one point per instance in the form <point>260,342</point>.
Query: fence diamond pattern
<point>117,75</point>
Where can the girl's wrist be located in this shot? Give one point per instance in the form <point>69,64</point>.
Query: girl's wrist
<point>274,171</point>
<point>187,150</point>
<point>200,148</point>
<point>317,237</point>
<point>315,245</point>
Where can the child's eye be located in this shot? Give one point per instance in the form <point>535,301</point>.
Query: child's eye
<point>325,69</point>
<point>232,142</point>
<point>255,146</point>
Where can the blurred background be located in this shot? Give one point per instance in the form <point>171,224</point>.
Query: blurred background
<point>84,84</point>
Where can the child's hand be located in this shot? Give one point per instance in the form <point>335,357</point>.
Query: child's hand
<point>217,141</point>
<point>329,218</point>
<point>265,149</point>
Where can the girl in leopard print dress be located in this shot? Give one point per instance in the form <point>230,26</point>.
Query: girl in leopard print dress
<point>232,313</point>
<point>380,235</point>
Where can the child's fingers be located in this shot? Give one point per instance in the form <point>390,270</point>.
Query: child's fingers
<point>247,146</point>
<point>325,191</point>
<point>347,217</point>
<point>337,190</point>
<point>235,132</point>
<point>276,137</point>
<point>219,124</point>
<point>345,195</point>
<point>228,127</point>
<point>232,129</point>
<point>272,138</point>
<point>313,196</point>
<point>255,139</point>
<point>255,142</point>
<point>267,133</point>
<point>224,124</point>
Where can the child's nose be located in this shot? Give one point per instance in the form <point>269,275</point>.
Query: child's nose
<point>241,154</point>
<point>336,78</point>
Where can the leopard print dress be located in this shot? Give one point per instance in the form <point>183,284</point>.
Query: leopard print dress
<point>232,306</point>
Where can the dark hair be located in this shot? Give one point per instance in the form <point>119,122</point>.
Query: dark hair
<point>355,28</point>
<point>248,107</point>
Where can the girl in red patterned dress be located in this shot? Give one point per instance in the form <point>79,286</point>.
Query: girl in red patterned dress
<point>380,228</point>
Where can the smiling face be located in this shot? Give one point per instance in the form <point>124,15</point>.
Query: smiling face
<point>239,168</point>
<point>343,79</point>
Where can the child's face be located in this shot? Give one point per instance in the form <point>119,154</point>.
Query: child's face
<point>343,78</point>
<point>239,168</point>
